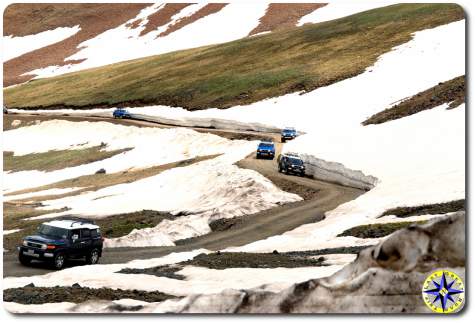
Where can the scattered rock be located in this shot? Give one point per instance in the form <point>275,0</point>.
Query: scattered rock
<point>16,123</point>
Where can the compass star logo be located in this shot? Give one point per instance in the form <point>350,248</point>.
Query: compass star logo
<point>443,292</point>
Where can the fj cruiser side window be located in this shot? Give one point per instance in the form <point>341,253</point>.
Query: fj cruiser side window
<point>74,234</point>
<point>85,233</point>
<point>95,233</point>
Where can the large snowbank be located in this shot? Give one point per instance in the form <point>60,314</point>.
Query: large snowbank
<point>17,46</point>
<point>151,147</point>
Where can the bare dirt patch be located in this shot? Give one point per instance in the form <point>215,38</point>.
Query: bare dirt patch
<point>203,12</point>
<point>26,19</point>
<point>76,294</point>
<point>284,15</point>
<point>452,92</point>
<point>163,16</point>
<point>224,260</point>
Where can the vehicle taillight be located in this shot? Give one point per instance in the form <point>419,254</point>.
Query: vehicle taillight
<point>50,247</point>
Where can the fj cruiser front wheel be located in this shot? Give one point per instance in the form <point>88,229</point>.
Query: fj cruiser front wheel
<point>59,260</point>
<point>93,257</point>
<point>25,261</point>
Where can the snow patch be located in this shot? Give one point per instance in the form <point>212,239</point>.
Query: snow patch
<point>17,46</point>
<point>7,232</point>
<point>53,191</point>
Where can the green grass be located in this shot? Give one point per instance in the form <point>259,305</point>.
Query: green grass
<point>438,208</point>
<point>56,159</point>
<point>451,92</point>
<point>376,230</point>
<point>242,71</point>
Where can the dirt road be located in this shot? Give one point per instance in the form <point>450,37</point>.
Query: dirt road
<point>250,228</point>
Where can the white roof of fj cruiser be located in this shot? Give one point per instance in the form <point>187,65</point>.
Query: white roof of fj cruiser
<point>71,224</point>
<point>292,155</point>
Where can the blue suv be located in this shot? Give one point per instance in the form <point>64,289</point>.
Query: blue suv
<point>121,113</point>
<point>265,149</point>
<point>57,241</point>
<point>288,134</point>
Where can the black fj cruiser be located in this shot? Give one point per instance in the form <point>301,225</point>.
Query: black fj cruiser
<point>290,163</point>
<point>57,241</point>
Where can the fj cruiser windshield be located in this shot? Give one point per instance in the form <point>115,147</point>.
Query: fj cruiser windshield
<point>266,146</point>
<point>56,232</point>
<point>295,161</point>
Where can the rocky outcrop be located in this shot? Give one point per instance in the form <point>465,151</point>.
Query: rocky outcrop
<point>386,278</point>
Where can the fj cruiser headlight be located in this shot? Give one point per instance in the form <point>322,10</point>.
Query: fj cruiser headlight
<point>25,243</point>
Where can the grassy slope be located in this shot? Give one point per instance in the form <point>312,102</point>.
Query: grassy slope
<point>56,159</point>
<point>377,230</point>
<point>438,208</point>
<point>452,92</point>
<point>242,71</point>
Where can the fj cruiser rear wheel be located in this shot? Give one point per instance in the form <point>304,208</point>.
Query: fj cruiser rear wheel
<point>93,257</point>
<point>25,261</point>
<point>59,260</point>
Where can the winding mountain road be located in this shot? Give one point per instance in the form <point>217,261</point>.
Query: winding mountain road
<point>250,228</point>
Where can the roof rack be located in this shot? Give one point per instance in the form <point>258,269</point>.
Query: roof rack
<point>78,220</point>
<point>292,155</point>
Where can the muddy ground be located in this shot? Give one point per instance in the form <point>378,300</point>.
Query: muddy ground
<point>76,294</point>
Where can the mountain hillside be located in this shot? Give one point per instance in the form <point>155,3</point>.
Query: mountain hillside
<point>241,71</point>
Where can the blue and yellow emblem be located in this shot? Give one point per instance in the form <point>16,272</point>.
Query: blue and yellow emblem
<point>443,292</point>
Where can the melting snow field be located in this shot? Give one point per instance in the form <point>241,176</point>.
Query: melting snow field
<point>417,160</point>
<point>151,147</point>
<point>203,192</point>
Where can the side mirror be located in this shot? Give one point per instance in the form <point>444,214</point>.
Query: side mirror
<point>75,237</point>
